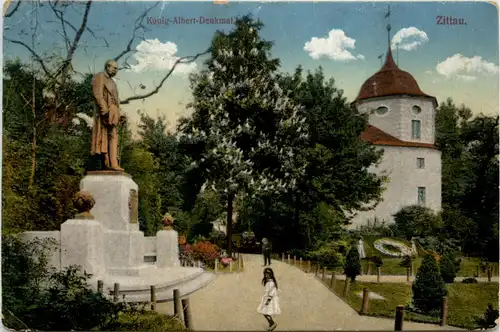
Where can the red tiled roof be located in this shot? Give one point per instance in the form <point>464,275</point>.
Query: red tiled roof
<point>376,136</point>
<point>389,81</point>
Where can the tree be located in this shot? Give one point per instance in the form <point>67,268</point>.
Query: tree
<point>352,266</point>
<point>470,175</point>
<point>429,287</point>
<point>416,221</point>
<point>337,181</point>
<point>244,128</point>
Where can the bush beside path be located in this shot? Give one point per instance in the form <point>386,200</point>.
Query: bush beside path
<point>231,301</point>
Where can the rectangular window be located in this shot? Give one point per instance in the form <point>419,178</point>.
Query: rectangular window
<point>415,129</point>
<point>421,195</point>
<point>420,163</point>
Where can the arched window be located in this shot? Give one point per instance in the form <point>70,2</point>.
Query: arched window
<point>382,110</point>
<point>416,109</point>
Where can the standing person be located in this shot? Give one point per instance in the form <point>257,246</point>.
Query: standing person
<point>266,251</point>
<point>269,304</point>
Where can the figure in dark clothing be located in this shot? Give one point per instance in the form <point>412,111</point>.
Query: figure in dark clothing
<point>266,251</point>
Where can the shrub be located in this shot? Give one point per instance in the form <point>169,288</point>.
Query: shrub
<point>429,287</point>
<point>143,320</point>
<point>206,252</point>
<point>488,319</point>
<point>469,281</point>
<point>406,261</point>
<point>449,265</point>
<point>48,300</point>
<point>416,221</point>
<point>377,260</point>
<point>328,254</point>
<point>352,267</point>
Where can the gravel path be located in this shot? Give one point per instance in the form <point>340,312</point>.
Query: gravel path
<point>230,303</point>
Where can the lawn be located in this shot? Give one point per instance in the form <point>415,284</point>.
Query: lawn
<point>465,301</point>
<point>468,267</point>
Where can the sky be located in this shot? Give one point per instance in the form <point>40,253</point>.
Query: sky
<point>345,38</point>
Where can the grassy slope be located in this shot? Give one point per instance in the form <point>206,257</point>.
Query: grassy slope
<point>465,302</point>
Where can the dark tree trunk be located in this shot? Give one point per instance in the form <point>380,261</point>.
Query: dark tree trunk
<point>229,226</point>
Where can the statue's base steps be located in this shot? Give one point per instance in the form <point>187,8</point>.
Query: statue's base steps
<point>138,288</point>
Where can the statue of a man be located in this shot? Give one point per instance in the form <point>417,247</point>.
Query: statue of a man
<point>106,116</point>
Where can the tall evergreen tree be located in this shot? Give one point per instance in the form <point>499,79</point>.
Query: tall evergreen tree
<point>244,130</point>
<point>429,287</point>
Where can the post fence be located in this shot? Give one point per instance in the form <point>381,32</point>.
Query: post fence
<point>398,321</point>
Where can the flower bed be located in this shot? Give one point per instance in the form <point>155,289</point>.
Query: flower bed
<point>393,248</point>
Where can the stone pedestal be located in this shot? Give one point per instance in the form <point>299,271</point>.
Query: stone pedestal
<point>124,249</point>
<point>167,249</point>
<point>82,244</point>
<point>116,199</point>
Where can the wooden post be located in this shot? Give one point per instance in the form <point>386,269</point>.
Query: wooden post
<point>444,311</point>
<point>323,275</point>
<point>283,257</point>
<point>177,304</point>
<point>116,292</point>
<point>294,260</point>
<point>364,307</point>
<point>369,268</point>
<point>230,266</point>
<point>153,298</point>
<point>100,286</point>
<point>288,258</point>
<point>308,266</point>
<point>317,271</point>
<point>187,313</point>
<point>489,274</point>
<point>398,321</point>
<point>332,280</point>
<point>378,273</point>
<point>408,274</point>
<point>300,263</point>
<point>216,269</point>
<point>240,262</point>
<point>346,286</point>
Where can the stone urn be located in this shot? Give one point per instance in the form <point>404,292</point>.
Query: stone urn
<point>168,222</point>
<point>83,202</point>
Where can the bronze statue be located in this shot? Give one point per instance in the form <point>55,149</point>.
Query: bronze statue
<point>106,116</point>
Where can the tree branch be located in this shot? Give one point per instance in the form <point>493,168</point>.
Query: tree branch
<point>137,25</point>
<point>35,55</point>
<point>16,7</point>
<point>186,59</point>
<point>69,57</point>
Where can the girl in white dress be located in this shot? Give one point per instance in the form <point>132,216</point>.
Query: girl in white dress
<point>269,304</point>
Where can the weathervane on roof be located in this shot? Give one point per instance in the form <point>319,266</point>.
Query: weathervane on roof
<point>388,17</point>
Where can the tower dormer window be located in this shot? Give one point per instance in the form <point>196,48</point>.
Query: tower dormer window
<point>416,109</point>
<point>382,110</point>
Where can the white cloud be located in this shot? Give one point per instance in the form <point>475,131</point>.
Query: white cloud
<point>154,55</point>
<point>335,46</point>
<point>464,68</point>
<point>409,39</point>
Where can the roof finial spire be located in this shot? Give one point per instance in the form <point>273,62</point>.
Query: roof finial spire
<point>388,17</point>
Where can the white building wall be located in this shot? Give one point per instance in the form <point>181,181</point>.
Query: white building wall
<point>400,164</point>
<point>389,122</point>
<point>398,121</point>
